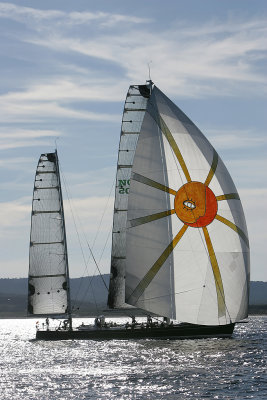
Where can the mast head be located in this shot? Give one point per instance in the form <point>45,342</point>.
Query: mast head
<point>146,90</point>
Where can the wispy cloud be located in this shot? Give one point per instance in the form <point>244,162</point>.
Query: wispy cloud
<point>12,138</point>
<point>199,60</point>
<point>236,139</point>
<point>58,18</point>
<point>211,59</point>
<point>14,213</point>
<point>20,107</point>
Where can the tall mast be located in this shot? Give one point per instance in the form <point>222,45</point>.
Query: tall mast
<point>65,244</point>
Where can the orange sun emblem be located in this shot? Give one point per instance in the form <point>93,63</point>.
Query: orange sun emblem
<point>195,204</point>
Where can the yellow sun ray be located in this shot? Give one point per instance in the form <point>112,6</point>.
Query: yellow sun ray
<point>228,196</point>
<point>150,275</point>
<point>150,182</point>
<point>212,168</point>
<point>175,148</point>
<point>150,218</point>
<point>216,274</point>
<point>234,227</point>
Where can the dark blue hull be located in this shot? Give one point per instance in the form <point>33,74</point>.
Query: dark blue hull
<point>181,331</point>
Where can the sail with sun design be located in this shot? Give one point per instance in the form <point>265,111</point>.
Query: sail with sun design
<point>179,235</point>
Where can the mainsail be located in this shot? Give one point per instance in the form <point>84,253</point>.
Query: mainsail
<point>180,238</point>
<point>48,259</point>
<point>133,114</point>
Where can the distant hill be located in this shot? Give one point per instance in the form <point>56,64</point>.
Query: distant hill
<point>89,294</point>
<point>258,293</point>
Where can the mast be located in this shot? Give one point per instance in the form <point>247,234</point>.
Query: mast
<point>49,290</point>
<point>65,244</point>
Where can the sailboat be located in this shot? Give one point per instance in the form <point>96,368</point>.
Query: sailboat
<point>180,247</point>
<point>48,280</point>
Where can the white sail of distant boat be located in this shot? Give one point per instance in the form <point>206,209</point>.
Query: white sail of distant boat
<point>180,245</point>
<point>48,259</point>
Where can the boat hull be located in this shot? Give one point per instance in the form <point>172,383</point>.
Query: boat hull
<point>181,331</point>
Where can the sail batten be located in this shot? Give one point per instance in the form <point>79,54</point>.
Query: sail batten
<point>48,260</point>
<point>180,245</point>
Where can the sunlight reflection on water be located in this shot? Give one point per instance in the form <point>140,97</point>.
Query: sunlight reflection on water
<point>144,369</point>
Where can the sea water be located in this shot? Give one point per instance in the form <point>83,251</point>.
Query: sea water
<point>233,368</point>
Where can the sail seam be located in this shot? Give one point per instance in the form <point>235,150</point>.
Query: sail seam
<point>45,276</point>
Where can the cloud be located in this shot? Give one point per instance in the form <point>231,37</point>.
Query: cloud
<point>226,54</point>
<point>12,138</point>
<point>14,163</point>
<point>14,214</point>
<point>68,90</point>
<point>236,139</point>
<point>195,60</point>
<point>228,57</point>
<point>22,108</point>
<point>36,16</point>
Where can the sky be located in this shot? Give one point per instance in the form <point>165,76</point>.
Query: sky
<point>65,68</point>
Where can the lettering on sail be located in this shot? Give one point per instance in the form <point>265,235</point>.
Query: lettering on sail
<point>124,186</point>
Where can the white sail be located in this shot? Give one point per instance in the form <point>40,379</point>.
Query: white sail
<point>48,261</point>
<point>187,250</point>
<point>133,114</point>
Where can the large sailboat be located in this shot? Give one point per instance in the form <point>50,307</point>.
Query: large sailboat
<point>180,246</point>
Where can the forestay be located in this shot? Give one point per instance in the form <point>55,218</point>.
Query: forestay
<point>186,251</point>
<point>48,267</point>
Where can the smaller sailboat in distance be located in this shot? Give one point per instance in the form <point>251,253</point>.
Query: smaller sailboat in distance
<point>180,248</point>
<point>48,281</point>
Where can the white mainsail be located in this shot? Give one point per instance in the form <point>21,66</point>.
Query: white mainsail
<point>48,260</point>
<point>185,253</point>
<point>133,114</point>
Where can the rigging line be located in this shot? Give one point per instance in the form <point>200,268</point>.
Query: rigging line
<point>105,209</point>
<point>86,266</point>
<point>169,294</point>
<point>75,225</point>
<point>91,280</point>
<point>86,263</point>
<point>105,244</point>
<point>97,266</point>
<point>95,302</point>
